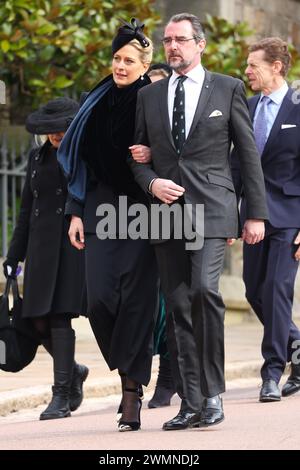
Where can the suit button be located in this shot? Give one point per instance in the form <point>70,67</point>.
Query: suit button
<point>35,193</point>
<point>33,174</point>
<point>36,212</point>
<point>58,191</point>
<point>37,157</point>
<point>59,210</point>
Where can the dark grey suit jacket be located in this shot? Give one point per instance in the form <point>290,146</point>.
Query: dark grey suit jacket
<point>203,167</point>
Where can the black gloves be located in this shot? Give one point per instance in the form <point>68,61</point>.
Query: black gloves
<point>10,266</point>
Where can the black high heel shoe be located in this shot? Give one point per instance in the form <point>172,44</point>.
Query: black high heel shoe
<point>124,425</point>
<point>120,409</point>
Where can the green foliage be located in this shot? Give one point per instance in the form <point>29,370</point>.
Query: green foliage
<point>47,46</point>
<point>227,47</point>
<point>294,72</point>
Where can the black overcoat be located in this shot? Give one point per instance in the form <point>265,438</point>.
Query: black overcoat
<point>54,270</point>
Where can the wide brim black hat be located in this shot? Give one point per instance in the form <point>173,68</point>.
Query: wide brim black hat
<point>128,32</point>
<point>53,117</point>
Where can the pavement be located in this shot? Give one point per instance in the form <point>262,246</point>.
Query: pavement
<point>31,387</point>
<point>248,424</point>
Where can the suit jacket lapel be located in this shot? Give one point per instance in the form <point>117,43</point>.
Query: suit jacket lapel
<point>207,88</point>
<point>163,105</point>
<point>253,102</point>
<point>283,112</point>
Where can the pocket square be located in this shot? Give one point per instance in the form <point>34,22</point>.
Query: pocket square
<point>287,126</point>
<point>216,113</point>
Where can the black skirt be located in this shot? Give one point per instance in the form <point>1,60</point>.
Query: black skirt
<point>122,288</point>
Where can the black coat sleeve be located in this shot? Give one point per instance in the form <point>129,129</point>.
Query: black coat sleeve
<point>143,172</point>
<point>73,207</point>
<point>18,245</point>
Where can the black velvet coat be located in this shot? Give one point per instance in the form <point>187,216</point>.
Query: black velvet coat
<point>108,134</point>
<point>54,279</point>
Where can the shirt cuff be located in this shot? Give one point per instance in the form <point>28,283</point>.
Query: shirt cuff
<point>150,186</point>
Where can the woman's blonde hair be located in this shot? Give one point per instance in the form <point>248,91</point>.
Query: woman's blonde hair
<point>146,53</point>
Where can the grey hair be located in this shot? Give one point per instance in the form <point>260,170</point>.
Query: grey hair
<point>195,22</point>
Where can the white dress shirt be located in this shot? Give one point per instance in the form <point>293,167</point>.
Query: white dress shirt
<point>192,86</point>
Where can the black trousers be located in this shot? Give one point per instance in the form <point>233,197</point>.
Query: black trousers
<point>195,317</point>
<point>122,290</point>
<point>269,274</point>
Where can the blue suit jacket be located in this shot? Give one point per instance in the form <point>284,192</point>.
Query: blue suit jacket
<point>281,166</point>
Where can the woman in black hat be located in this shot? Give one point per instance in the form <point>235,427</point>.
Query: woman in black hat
<point>54,284</point>
<point>121,271</point>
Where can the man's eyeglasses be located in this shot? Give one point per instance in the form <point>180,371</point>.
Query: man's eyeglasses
<point>181,40</point>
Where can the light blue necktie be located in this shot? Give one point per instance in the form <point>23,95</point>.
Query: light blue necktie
<point>261,125</point>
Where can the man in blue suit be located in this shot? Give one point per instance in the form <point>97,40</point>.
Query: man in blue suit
<point>270,266</point>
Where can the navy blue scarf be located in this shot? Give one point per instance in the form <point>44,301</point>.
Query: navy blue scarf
<point>68,153</point>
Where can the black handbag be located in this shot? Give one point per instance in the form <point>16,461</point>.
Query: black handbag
<point>18,341</point>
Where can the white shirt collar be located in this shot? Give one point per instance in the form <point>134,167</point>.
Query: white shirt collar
<point>196,74</point>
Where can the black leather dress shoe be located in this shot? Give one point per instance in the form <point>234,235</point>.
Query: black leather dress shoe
<point>183,420</point>
<point>212,412</point>
<point>269,391</point>
<point>293,382</point>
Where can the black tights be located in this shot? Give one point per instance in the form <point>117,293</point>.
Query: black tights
<point>43,325</point>
<point>130,399</point>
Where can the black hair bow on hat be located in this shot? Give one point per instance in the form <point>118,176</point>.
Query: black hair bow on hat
<point>128,32</point>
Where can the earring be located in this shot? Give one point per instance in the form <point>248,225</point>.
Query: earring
<point>142,77</point>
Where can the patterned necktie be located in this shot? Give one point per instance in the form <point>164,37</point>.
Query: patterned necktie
<point>261,125</point>
<point>178,123</point>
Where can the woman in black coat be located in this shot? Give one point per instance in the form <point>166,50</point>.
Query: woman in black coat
<point>121,272</point>
<point>54,284</point>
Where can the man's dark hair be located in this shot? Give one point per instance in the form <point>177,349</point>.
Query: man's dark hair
<point>275,49</point>
<point>195,22</point>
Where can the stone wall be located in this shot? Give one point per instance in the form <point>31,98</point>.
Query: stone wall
<point>274,18</point>
<point>237,268</point>
<point>4,105</point>
<point>167,8</point>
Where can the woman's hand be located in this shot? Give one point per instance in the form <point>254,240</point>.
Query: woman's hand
<point>140,153</point>
<point>76,233</point>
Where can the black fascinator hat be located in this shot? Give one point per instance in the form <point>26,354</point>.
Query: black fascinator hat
<point>128,32</point>
<point>53,117</point>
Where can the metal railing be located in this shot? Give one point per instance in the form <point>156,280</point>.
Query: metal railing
<point>12,176</point>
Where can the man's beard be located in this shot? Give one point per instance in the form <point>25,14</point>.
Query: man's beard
<point>184,64</point>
